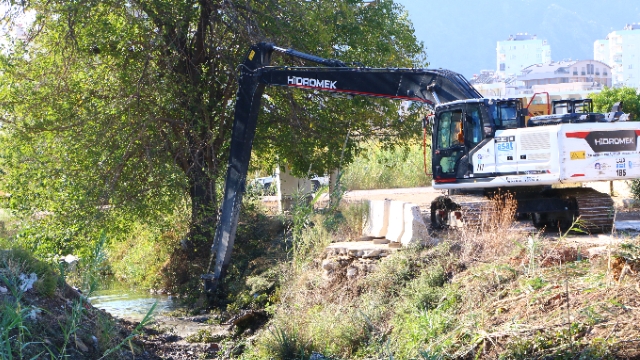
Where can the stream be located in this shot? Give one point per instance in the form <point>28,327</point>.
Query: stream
<point>131,304</point>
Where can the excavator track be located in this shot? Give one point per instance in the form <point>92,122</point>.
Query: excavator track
<point>595,209</point>
<point>467,209</point>
<point>472,207</point>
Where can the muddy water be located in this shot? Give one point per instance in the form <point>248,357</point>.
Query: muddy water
<point>132,305</point>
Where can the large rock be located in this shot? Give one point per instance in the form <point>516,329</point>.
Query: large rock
<point>396,221</point>
<point>377,219</point>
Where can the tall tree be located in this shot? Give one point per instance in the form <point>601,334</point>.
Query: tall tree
<point>124,107</point>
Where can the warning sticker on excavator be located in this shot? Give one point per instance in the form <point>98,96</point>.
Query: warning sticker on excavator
<point>578,155</point>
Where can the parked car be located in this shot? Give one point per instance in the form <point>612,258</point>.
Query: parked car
<point>318,181</point>
<point>264,184</point>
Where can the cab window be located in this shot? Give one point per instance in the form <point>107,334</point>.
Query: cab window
<point>474,125</point>
<point>562,108</point>
<point>450,129</point>
<point>505,114</point>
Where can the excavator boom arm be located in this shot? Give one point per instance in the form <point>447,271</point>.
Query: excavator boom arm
<point>424,85</point>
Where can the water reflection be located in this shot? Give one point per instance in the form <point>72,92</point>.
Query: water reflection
<point>132,305</point>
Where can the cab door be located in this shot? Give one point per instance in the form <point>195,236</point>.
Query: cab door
<point>449,148</point>
<point>479,142</point>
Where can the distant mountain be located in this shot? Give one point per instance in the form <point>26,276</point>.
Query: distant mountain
<point>461,35</point>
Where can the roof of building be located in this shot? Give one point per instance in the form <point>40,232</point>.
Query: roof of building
<point>552,69</point>
<point>521,37</point>
<point>633,26</point>
<point>485,77</point>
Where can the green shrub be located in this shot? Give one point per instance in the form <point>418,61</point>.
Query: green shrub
<point>138,258</point>
<point>382,168</point>
<point>48,276</point>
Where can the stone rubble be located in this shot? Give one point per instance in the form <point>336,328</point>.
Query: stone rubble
<point>27,281</point>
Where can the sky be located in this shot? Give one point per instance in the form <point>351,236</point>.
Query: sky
<point>461,35</point>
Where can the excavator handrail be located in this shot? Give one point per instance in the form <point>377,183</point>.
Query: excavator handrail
<point>548,100</point>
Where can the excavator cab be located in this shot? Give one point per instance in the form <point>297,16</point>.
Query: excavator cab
<point>461,127</point>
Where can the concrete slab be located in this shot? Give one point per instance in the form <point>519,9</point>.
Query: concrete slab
<point>361,249</point>
<point>628,225</point>
<point>594,240</point>
<point>396,221</point>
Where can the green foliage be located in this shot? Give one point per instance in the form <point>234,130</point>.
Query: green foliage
<point>306,238</point>
<point>286,345</point>
<point>15,333</point>
<point>13,329</point>
<point>138,258</point>
<point>353,217</point>
<point>635,189</point>
<point>604,100</point>
<point>557,345</point>
<point>254,274</point>
<point>381,167</point>
<point>426,315</point>
<point>119,112</point>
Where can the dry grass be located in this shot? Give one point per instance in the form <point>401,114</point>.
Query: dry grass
<point>493,235</point>
<point>488,292</point>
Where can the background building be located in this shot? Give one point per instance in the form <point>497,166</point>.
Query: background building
<point>520,51</point>
<point>621,51</point>
<point>562,80</point>
<point>579,75</point>
<point>601,50</point>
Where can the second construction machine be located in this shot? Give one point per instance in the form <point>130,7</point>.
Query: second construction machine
<point>479,145</point>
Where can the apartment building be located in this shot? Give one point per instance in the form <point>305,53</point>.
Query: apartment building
<point>520,51</point>
<point>621,51</point>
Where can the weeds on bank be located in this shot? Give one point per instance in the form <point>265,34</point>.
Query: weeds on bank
<point>492,234</point>
<point>489,292</point>
<point>13,329</point>
<point>31,332</point>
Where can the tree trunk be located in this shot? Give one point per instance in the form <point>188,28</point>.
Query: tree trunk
<point>204,209</point>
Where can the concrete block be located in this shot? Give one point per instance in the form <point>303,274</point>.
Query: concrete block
<point>290,186</point>
<point>377,219</point>
<point>396,221</point>
<point>415,230</point>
